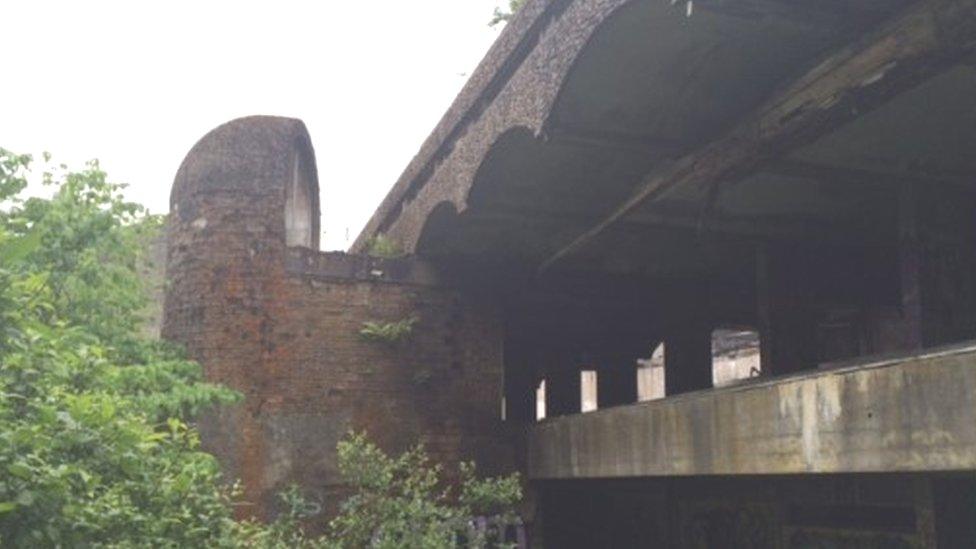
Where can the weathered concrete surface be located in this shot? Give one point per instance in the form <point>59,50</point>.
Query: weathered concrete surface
<point>519,86</point>
<point>599,109</point>
<point>914,413</point>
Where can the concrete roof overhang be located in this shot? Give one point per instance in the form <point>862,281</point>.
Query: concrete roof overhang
<point>625,137</point>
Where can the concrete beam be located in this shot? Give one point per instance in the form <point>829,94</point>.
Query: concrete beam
<point>688,359</point>
<point>911,413</point>
<point>754,228</point>
<point>845,176</point>
<point>924,40</point>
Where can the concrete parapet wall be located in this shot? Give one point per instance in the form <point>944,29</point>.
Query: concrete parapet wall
<point>904,414</point>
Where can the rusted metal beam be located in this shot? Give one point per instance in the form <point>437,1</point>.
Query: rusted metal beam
<point>924,40</point>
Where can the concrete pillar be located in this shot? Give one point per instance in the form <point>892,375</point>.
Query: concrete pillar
<point>787,327</point>
<point>563,391</point>
<point>901,329</point>
<point>909,330</point>
<point>520,385</point>
<point>688,359</point>
<point>905,333</point>
<point>911,322</point>
<point>617,381</point>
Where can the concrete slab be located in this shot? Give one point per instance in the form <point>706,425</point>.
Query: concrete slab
<point>896,414</point>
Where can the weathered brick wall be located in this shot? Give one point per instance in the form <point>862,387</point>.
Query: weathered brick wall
<point>282,326</point>
<point>441,385</point>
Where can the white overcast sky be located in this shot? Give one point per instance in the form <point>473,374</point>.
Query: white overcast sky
<point>136,83</point>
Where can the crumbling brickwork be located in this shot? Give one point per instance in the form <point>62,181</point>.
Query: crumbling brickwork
<point>282,325</point>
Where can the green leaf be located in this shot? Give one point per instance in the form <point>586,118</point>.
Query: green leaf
<point>25,498</point>
<point>18,248</point>
<point>7,506</point>
<point>19,470</point>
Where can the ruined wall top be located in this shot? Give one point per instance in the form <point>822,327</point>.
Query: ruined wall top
<point>264,158</point>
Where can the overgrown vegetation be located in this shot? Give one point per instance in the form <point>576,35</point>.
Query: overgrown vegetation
<point>388,332</point>
<point>97,444</point>
<point>400,502</point>
<point>506,15</point>
<point>384,247</point>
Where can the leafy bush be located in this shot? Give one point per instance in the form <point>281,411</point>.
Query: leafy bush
<point>97,447</point>
<point>400,502</point>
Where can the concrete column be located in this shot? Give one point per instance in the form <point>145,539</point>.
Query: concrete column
<point>902,331</point>
<point>908,333</point>
<point>520,384</point>
<point>786,325</point>
<point>617,381</point>
<point>563,391</point>
<point>520,389</point>
<point>909,330</point>
<point>901,326</point>
<point>688,359</point>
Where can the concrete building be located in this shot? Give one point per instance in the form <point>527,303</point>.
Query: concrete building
<point>618,174</point>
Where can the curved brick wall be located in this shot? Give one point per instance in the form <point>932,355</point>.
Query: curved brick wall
<point>281,324</point>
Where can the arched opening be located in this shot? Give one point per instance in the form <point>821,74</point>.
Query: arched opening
<point>440,231</point>
<point>301,202</point>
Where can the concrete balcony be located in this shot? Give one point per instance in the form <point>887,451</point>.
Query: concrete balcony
<point>908,413</point>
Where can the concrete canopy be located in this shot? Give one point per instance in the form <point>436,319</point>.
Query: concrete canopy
<point>582,104</point>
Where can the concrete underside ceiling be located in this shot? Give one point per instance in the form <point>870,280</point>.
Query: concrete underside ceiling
<point>653,85</point>
<point>843,188</point>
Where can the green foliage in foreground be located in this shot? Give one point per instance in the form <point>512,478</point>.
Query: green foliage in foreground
<point>97,447</point>
<point>399,502</point>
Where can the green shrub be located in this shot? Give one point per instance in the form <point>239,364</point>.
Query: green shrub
<point>388,332</point>
<point>97,444</point>
<point>384,247</point>
<point>96,448</point>
<point>400,502</point>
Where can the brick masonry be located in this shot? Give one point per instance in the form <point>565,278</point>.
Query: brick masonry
<point>282,325</point>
